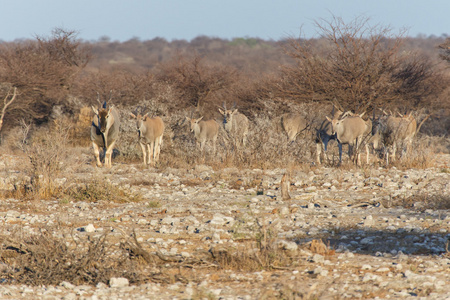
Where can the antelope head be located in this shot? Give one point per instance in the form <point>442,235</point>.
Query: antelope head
<point>103,114</point>
<point>227,113</point>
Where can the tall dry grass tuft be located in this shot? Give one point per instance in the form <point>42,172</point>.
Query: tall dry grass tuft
<point>421,155</point>
<point>47,150</point>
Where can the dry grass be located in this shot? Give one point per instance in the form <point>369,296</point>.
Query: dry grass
<point>97,189</point>
<point>422,202</point>
<point>48,172</point>
<point>47,258</point>
<point>44,259</point>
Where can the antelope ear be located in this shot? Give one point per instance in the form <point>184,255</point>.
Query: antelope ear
<point>221,111</point>
<point>329,120</point>
<point>199,119</point>
<point>132,115</point>
<point>95,110</point>
<point>145,117</point>
<point>234,111</point>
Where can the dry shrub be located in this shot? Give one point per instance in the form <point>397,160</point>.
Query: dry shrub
<point>43,71</point>
<point>423,201</point>
<point>268,146</point>
<point>44,259</point>
<point>319,247</point>
<point>261,251</point>
<point>47,151</point>
<point>51,160</point>
<point>422,154</point>
<point>97,189</point>
<point>82,127</point>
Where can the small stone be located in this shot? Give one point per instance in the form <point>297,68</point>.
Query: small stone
<point>89,228</point>
<point>317,258</point>
<point>118,282</point>
<point>284,211</point>
<point>368,221</point>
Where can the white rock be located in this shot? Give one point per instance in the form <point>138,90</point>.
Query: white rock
<point>368,221</point>
<point>118,282</point>
<point>89,228</point>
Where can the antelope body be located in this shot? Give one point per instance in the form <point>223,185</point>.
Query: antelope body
<point>293,124</point>
<point>396,130</point>
<point>324,134</point>
<point>104,131</point>
<point>235,124</point>
<point>150,137</point>
<point>351,130</point>
<point>204,131</point>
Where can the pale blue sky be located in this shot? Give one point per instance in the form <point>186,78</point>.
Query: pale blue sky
<point>186,19</point>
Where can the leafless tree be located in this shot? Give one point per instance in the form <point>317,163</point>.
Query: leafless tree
<point>198,81</point>
<point>43,70</point>
<point>356,66</point>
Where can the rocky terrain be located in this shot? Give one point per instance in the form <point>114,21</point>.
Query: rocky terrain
<point>367,233</point>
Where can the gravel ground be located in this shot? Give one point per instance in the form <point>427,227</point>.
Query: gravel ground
<point>379,249</point>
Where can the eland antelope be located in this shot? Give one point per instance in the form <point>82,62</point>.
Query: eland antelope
<point>293,124</point>
<point>235,123</point>
<point>324,134</point>
<point>351,130</point>
<point>150,134</point>
<point>104,131</point>
<point>396,131</point>
<point>204,131</point>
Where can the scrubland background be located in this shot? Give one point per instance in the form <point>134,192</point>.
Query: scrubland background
<point>355,65</point>
<point>50,189</point>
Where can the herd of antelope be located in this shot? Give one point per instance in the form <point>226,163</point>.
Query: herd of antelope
<point>387,132</point>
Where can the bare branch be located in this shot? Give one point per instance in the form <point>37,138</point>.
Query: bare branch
<point>7,103</point>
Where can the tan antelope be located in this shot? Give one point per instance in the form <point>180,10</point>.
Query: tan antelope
<point>204,131</point>
<point>104,131</point>
<point>150,134</point>
<point>293,124</point>
<point>395,131</point>
<point>351,130</point>
<point>235,123</point>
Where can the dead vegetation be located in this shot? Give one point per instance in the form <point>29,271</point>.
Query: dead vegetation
<point>48,259</point>
<point>311,78</point>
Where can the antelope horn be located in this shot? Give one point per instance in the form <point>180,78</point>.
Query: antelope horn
<point>336,104</point>
<point>98,99</point>
<point>344,115</point>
